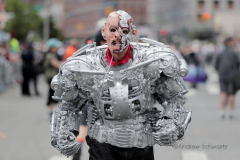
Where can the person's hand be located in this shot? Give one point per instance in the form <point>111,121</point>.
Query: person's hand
<point>167,134</point>
<point>67,144</point>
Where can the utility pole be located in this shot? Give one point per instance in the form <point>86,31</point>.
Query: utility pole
<point>46,22</point>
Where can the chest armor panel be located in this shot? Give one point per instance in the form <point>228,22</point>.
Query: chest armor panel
<point>126,96</point>
<point>120,93</point>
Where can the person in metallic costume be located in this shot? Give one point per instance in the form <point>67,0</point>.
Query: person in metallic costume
<point>119,82</point>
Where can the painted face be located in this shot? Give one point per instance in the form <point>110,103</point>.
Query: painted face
<point>119,31</point>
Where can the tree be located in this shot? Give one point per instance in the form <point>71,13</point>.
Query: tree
<point>24,19</point>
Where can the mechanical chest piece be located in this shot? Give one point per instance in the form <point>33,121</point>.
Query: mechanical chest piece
<point>119,108</point>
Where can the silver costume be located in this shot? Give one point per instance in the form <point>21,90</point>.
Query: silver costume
<point>120,98</point>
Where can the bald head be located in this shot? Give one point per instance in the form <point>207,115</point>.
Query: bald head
<point>112,19</point>
<point>120,15</point>
<point>112,15</point>
<point>119,31</point>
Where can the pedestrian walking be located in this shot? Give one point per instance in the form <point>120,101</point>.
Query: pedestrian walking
<point>227,65</point>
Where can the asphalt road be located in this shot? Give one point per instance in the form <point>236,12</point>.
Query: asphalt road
<point>25,128</point>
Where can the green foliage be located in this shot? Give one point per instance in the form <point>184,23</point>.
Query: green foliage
<point>24,19</point>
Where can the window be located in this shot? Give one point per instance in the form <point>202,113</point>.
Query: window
<point>201,4</point>
<point>230,4</point>
<point>215,4</point>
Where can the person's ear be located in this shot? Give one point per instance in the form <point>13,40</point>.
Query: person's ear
<point>134,33</point>
<point>103,32</point>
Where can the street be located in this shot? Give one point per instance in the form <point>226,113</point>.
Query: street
<point>25,127</point>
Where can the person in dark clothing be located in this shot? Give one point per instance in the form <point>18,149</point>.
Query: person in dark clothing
<point>227,65</point>
<point>192,59</point>
<point>106,151</point>
<point>27,65</point>
<point>35,80</point>
<point>99,38</point>
<point>193,62</point>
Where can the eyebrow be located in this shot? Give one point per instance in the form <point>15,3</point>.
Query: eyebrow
<point>113,26</point>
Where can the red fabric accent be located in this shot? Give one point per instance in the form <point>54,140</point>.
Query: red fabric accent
<point>124,61</point>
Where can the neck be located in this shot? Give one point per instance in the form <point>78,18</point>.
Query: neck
<point>118,57</point>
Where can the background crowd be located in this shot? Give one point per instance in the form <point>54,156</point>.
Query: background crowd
<point>23,62</point>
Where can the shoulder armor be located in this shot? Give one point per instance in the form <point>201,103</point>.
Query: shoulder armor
<point>88,62</point>
<point>82,68</point>
<point>159,58</point>
<point>68,81</point>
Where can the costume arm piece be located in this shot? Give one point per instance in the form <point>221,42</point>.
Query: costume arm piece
<point>65,119</point>
<point>174,120</point>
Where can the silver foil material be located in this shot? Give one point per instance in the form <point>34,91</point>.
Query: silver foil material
<point>120,99</point>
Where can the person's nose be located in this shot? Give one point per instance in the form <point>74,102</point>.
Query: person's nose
<point>117,34</point>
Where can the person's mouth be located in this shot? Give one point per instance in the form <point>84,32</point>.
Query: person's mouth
<point>116,43</point>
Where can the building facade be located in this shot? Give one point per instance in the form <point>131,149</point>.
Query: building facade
<point>194,15</point>
<point>82,16</point>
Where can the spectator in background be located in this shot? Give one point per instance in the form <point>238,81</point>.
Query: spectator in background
<point>73,46</point>
<point>60,53</point>
<point>3,67</point>
<point>227,65</point>
<point>51,65</point>
<point>14,57</point>
<point>99,38</point>
<point>27,56</point>
<point>190,56</point>
<point>89,40</point>
<point>36,71</point>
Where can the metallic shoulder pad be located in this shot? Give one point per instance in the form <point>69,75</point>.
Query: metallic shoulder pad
<point>160,58</point>
<point>67,83</point>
